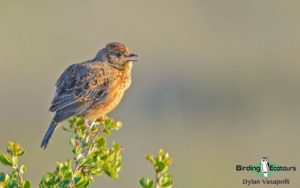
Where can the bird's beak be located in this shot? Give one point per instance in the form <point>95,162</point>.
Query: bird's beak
<point>133,57</point>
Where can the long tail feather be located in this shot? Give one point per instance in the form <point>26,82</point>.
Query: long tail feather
<point>48,134</point>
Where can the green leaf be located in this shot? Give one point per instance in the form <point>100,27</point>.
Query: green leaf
<point>20,152</point>
<point>106,131</point>
<point>6,179</point>
<point>166,181</point>
<point>112,173</point>
<point>150,158</point>
<point>23,169</point>
<point>6,160</point>
<point>116,147</point>
<point>106,166</point>
<point>83,182</point>
<point>160,167</point>
<point>85,161</point>
<point>96,171</point>
<point>101,142</point>
<point>26,184</point>
<point>147,183</point>
<point>79,121</point>
<point>2,177</point>
<point>72,141</point>
<point>108,122</point>
<point>72,120</point>
<point>119,125</point>
<point>14,174</point>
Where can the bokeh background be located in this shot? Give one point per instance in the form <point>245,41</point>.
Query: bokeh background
<point>217,83</point>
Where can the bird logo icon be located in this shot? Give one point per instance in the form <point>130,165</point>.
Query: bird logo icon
<point>264,166</point>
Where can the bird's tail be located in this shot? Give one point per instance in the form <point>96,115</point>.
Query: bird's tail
<point>48,134</point>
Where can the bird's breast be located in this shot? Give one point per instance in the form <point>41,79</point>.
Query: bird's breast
<point>115,92</point>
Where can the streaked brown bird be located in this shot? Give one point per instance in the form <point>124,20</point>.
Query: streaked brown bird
<point>93,88</point>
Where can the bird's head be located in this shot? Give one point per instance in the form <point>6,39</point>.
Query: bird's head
<point>116,54</point>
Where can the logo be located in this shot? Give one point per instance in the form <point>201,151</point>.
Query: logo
<point>265,168</point>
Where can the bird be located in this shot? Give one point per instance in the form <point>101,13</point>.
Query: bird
<point>93,88</point>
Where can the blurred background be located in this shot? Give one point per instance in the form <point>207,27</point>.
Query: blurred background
<point>217,83</point>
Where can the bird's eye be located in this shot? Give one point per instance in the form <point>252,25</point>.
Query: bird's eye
<point>119,54</point>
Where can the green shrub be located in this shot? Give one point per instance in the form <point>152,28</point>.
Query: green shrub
<point>92,156</point>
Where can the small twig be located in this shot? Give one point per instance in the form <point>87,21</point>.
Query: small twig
<point>19,174</point>
<point>157,181</point>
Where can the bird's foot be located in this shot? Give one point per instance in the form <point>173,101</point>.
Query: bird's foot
<point>88,125</point>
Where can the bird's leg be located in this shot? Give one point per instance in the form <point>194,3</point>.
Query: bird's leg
<point>88,124</point>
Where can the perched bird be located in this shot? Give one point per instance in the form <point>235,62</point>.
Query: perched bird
<point>93,88</point>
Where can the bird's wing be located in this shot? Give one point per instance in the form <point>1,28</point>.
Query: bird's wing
<point>65,81</point>
<point>78,88</point>
<point>67,75</point>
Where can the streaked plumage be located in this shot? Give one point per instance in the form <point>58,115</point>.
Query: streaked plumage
<point>93,88</point>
